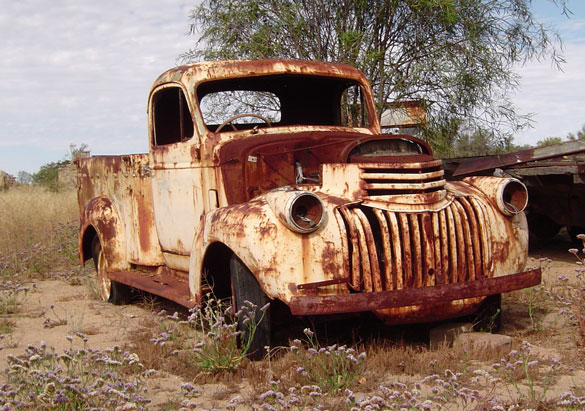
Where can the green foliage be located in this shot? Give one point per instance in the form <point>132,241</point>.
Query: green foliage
<point>48,175</point>
<point>12,295</point>
<point>456,55</point>
<point>577,136</point>
<point>209,339</point>
<point>522,367</point>
<point>329,368</point>
<point>24,178</point>
<point>452,141</point>
<point>549,141</point>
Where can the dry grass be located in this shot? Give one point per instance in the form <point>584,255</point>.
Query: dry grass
<point>30,214</point>
<point>37,231</point>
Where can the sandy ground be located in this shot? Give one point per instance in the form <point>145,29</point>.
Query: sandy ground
<point>55,309</point>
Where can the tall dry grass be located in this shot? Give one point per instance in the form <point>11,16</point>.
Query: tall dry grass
<point>38,231</point>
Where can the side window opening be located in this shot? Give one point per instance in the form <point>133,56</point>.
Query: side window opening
<point>353,108</point>
<point>172,119</point>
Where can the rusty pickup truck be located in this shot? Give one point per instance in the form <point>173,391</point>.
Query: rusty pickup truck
<point>270,180</point>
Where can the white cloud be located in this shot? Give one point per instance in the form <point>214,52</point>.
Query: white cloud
<point>79,71</point>
<point>556,98</point>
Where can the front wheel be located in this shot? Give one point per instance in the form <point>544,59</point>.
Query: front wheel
<point>109,290</point>
<point>245,289</point>
<point>489,316</point>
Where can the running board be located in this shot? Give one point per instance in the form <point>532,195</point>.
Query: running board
<point>169,287</point>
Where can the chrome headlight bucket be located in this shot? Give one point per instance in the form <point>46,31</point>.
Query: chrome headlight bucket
<point>301,211</point>
<point>509,194</point>
<point>512,196</point>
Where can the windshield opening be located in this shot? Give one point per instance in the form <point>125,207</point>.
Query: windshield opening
<point>282,100</point>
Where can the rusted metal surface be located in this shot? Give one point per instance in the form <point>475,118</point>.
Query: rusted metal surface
<point>404,114</point>
<point>328,217</point>
<point>337,304</point>
<point>119,181</point>
<point>469,166</point>
<point>554,176</point>
<point>162,283</point>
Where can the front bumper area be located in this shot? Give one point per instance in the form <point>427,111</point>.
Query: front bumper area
<point>442,293</point>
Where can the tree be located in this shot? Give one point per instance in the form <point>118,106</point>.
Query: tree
<point>24,178</point>
<point>479,143</point>
<point>549,141</point>
<point>456,56</point>
<point>48,175</point>
<point>76,151</point>
<point>580,135</point>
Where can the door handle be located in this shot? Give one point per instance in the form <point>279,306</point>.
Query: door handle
<point>146,171</point>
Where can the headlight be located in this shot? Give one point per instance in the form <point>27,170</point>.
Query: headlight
<point>512,197</point>
<point>301,211</point>
<point>509,194</point>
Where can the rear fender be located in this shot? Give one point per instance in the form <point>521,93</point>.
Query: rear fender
<point>100,217</point>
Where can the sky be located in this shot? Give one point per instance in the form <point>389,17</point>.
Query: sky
<point>79,72</point>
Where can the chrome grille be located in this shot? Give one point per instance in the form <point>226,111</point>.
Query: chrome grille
<point>395,250</point>
<point>402,178</point>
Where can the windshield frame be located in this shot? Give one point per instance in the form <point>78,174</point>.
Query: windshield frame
<point>306,100</point>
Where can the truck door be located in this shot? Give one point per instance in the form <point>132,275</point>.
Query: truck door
<point>176,174</point>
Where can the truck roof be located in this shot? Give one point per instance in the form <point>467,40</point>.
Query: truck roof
<point>193,74</point>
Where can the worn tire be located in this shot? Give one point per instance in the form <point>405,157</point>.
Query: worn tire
<point>246,287</point>
<point>489,316</point>
<point>110,291</point>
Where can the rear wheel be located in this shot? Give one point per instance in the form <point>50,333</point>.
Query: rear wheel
<point>109,290</point>
<point>246,288</point>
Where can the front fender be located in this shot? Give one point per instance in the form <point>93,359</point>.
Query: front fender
<point>101,214</point>
<point>279,258</point>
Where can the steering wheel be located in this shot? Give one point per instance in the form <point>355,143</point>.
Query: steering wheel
<point>237,116</point>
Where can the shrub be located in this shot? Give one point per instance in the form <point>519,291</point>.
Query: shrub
<point>330,368</point>
<point>208,339</point>
<point>77,379</point>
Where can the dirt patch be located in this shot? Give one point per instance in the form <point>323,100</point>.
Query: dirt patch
<point>55,309</point>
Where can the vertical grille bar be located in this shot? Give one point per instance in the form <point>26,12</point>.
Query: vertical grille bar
<point>365,255</point>
<point>439,277</point>
<point>395,250</point>
<point>428,247</point>
<point>386,244</point>
<point>475,233</point>
<point>444,246</point>
<point>487,263</point>
<point>417,258</point>
<point>468,272</point>
<point>370,249</point>
<point>452,247</point>
<point>406,250</point>
<point>356,278</point>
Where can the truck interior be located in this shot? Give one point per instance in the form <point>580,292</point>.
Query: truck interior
<point>282,100</point>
